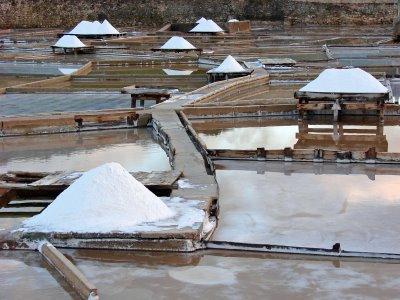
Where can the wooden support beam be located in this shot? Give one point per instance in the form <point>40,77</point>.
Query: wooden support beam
<point>69,271</point>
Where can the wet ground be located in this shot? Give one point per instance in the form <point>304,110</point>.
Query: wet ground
<point>134,149</point>
<point>353,133</point>
<point>289,204</point>
<point>210,275</point>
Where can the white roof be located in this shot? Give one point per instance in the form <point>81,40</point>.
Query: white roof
<point>202,19</point>
<point>208,26</point>
<point>345,81</point>
<point>233,20</point>
<point>229,65</point>
<point>94,28</point>
<point>177,43</point>
<point>69,41</point>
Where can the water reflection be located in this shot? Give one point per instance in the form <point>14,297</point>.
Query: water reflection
<point>350,134</point>
<point>134,149</point>
<point>307,209</point>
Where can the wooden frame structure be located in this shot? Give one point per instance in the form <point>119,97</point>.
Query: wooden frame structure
<point>142,94</point>
<point>68,50</point>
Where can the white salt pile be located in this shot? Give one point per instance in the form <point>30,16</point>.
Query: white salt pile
<point>207,26</point>
<point>104,199</point>
<point>351,81</point>
<point>69,41</point>
<point>94,28</point>
<point>229,65</point>
<point>177,43</point>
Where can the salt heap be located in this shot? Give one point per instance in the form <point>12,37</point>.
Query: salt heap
<point>208,26</point>
<point>102,200</point>
<point>351,81</point>
<point>229,65</point>
<point>177,43</point>
<point>202,19</point>
<point>69,41</point>
<point>94,28</point>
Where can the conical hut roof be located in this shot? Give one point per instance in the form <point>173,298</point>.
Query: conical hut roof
<point>69,41</point>
<point>345,81</point>
<point>208,26</point>
<point>177,43</point>
<point>229,65</point>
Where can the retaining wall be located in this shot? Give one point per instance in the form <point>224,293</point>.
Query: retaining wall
<point>66,13</point>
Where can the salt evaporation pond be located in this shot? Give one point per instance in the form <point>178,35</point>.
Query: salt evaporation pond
<point>310,205</point>
<point>148,275</point>
<point>279,133</point>
<point>134,149</point>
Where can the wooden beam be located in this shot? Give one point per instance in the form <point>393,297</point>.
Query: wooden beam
<point>69,271</point>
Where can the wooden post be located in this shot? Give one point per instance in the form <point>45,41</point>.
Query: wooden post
<point>133,101</point>
<point>68,270</point>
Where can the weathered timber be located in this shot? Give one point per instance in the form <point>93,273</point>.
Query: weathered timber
<point>61,180</point>
<point>68,270</point>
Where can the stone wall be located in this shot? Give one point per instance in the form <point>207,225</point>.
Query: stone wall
<point>66,13</point>
<point>335,12</point>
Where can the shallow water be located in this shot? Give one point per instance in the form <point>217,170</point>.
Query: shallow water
<point>278,133</point>
<point>24,68</point>
<point>134,149</point>
<point>204,275</point>
<point>29,104</point>
<point>310,205</point>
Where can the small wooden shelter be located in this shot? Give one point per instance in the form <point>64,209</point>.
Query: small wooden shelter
<point>228,69</point>
<point>343,89</point>
<point>177,44</point>
<point>142,94</point>
<point>207,27</point>
<point>71,44</point>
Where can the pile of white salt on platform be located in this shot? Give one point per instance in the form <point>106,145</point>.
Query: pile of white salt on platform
<point>104,199</point>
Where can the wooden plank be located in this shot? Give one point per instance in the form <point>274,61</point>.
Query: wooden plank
<point>6,195</point>
<point>69,271</point>
<point>29,203</point>
<point>61,180</point>
<point>20,211</point>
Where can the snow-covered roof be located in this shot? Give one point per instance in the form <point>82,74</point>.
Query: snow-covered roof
<point>229,65</point>
<point>69,41</point>
<point>202,19</point>
<point>177,43</point>
<point>345,81</point>
<point>94,28</point>
<point>208,26</point>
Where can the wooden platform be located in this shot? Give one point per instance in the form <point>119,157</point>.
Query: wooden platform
<point>142,94</point>
<point>26,193</point>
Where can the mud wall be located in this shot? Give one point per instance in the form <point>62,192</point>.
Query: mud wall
<point>66,13</point>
